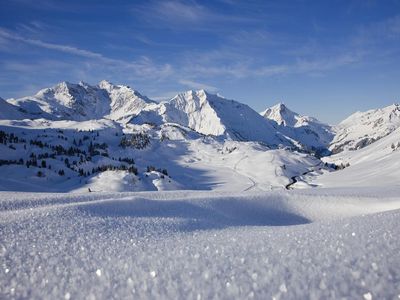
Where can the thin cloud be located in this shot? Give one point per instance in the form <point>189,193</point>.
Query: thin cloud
<point>389,28</point>
<point>252,69</point>
<point>198,85</point>
<point>142,66</point>
<point>177,13</point>
<point>64,48</point>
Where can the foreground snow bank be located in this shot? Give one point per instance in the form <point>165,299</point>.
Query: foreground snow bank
<point>324,243</point>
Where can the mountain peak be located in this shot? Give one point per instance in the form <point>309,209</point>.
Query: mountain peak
<point>201,92</point>
<point>63,85</point>
<point>311,133</point>
<point>281,115</point>
<point>105,84</point>
<point>280,105</point>
<point>83,84</point>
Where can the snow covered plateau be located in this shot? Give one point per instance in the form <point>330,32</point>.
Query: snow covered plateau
<point>105,193</point>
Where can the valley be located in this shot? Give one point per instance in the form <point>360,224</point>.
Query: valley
<point>55,141</point>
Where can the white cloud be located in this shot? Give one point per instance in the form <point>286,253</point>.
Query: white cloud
<point>142,66</point>
<point>185,15</point>
<point>179,11</point>
<point>64,48</point>
<point>198,85</point>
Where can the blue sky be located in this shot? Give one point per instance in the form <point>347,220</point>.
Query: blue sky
<point>321,58</point>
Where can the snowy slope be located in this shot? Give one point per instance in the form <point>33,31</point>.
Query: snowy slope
<point>125,102</point>
<point>307,131</point>
<point>314,244</point>
<point>213,115</point>
<point>80,102</point>
<point>203,141</point>
<point>363,128</point>
<point>9,111</point>
<point>192,160</point>
<point>377,164</point>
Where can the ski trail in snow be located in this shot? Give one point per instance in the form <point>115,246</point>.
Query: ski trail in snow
<point>253,182</point>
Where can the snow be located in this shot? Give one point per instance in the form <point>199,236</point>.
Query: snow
<point>8,111</point>
<point>213,115</point>
<point>188,198</point>
<point>82,102</point>
<point>125,102</point>
<point>377,164</point>
<point>193,161</point>
<point>282,115</point>
<point>314,244</point>
<point>307,132</point>
<point>363,128</point>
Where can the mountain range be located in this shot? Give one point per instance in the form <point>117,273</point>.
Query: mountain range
<point>198,126</point>
<point>205,113</point>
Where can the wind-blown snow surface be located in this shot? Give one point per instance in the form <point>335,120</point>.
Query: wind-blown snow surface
<point>314,244</point>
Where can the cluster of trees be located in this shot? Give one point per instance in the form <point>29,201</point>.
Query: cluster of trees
<point>128,160</point>
<point>6,162</point>
<point>93,149</point>
<point>70,151</point>
<point>395,146</point>
<point>337,167</point>
<point>33,161</point>
<point>136,140</point>
<point>103,168</point>
<point>83,148</point>
<point>9,138</point>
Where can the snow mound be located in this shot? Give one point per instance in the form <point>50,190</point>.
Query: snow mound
<point>313,244</point>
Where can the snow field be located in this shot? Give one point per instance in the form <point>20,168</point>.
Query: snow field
<point>303,244</point>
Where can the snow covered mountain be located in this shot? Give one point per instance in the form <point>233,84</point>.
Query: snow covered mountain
<point>125,102</point>
<point>377,164</point>
<point>80,102</point>
<point>283,116</point>
<point>198,110</point>
<point>213,115</point>
<point>364,128</point>
<point>110,135</point>
<point>309,132</point>
<point>75,137</point>
<point>204,113</point>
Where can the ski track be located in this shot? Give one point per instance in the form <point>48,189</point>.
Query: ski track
<point>252,181</point>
